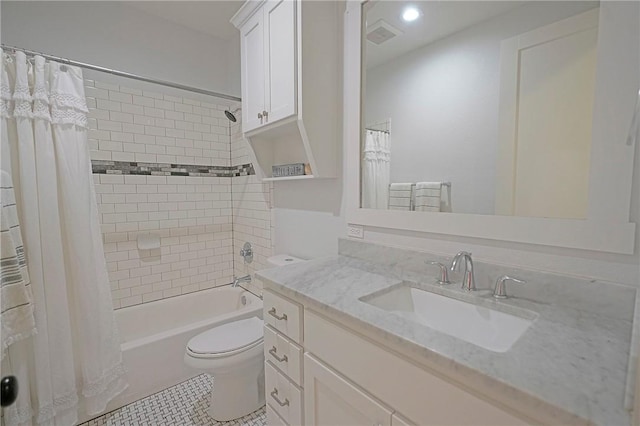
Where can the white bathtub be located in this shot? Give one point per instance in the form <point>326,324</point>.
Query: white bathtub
<point>154,335</point>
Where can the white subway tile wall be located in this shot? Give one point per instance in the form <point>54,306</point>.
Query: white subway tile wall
<point>135,125</point>
<point>191,215</point>
<point>252,221</point>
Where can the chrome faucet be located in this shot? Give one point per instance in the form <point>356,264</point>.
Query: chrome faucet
<point>468,282</point>
<point>245,279</point>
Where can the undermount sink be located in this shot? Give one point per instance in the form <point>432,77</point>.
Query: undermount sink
<point>488,328</point>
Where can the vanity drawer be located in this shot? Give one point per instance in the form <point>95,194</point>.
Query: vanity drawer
<point>282,395</point>
<point>273,419</point>
<point>283,315</point>
<point>283,353</point>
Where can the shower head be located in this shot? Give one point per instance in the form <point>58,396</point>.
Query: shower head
<point>231,114</point>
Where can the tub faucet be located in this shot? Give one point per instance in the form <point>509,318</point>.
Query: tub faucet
<point>468,282</point>
<point>245,279</point>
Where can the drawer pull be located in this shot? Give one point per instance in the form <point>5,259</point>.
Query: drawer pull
<point>274,395</point>
<point>272,312</point>
<point>273,350</point>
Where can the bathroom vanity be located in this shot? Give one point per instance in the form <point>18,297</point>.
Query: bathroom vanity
<point>341,346</point>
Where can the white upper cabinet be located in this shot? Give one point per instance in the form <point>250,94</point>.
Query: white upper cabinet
<point>280,55</point>
<point>268,65</point>
<point>291,68</point>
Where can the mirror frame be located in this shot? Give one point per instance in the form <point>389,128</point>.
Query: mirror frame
<point>606,228</point>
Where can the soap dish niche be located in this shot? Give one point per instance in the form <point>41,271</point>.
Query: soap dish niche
<point>148,241</point>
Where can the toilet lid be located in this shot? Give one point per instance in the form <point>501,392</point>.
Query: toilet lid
<point>228,337</point>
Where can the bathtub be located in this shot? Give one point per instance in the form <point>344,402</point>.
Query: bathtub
<point>154,335</point>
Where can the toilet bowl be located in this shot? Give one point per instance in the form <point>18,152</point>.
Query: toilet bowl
<point>233,354</point>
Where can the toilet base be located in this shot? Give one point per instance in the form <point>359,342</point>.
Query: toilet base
<point>236,395</point>
<point>238,379</point>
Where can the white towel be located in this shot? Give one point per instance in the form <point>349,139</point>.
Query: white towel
<point>17,300</point>
<point>428,196</point>
<point>401,196</point>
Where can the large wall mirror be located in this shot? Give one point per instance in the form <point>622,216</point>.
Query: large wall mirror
<point>494,108</point>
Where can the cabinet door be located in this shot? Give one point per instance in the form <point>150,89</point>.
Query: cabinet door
<point>332,400</point>
<point>253,72</point>
<point>280,50</point>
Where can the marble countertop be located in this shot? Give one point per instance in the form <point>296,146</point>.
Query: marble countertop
<point>570,364</point>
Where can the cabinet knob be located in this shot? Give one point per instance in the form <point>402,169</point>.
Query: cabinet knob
<point>265,114</point>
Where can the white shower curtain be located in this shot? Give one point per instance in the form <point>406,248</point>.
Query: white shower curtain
<point>74,362</point>
<point>376,169</point>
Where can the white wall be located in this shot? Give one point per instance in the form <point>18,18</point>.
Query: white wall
<point>308,217</point>
<point>233,67</point>
<point>305,197</point>
<point>117,36</point>
<point>307,234</point>
<point>443,102</point>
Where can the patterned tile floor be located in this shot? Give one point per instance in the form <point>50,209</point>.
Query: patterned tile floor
<point>183,404</point>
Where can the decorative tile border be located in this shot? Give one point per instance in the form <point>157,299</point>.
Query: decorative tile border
<point>167,169</point>
<point>243,170</point>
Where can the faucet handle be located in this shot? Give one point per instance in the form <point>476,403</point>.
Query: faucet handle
<point>500,291</point>
<point>444,273</point>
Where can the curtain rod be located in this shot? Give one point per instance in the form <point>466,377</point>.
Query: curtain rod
<point>377,130</point>
<point>121,73</point>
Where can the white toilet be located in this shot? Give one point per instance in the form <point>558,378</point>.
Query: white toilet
<point>233,353</point>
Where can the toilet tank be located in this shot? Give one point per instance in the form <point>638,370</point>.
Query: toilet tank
<point>282,260</point>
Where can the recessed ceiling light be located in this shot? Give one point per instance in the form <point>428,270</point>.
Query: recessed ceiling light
<point>410,14</point>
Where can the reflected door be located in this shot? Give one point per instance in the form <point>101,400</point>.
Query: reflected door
<point>547,91</point>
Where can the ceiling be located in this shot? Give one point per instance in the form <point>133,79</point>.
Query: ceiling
<point>209,17</point>
<point>439,19</point>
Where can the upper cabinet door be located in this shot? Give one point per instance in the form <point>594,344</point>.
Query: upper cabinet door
<point>280,53</point>
<point>253,72</point>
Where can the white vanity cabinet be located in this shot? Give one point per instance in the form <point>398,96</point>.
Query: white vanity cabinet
<point>415,394</point>
<point>268,64</point>
<point>345,378</point>
<point>290,77</point>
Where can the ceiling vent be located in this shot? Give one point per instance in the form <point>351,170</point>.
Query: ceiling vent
<point>381,31</point>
